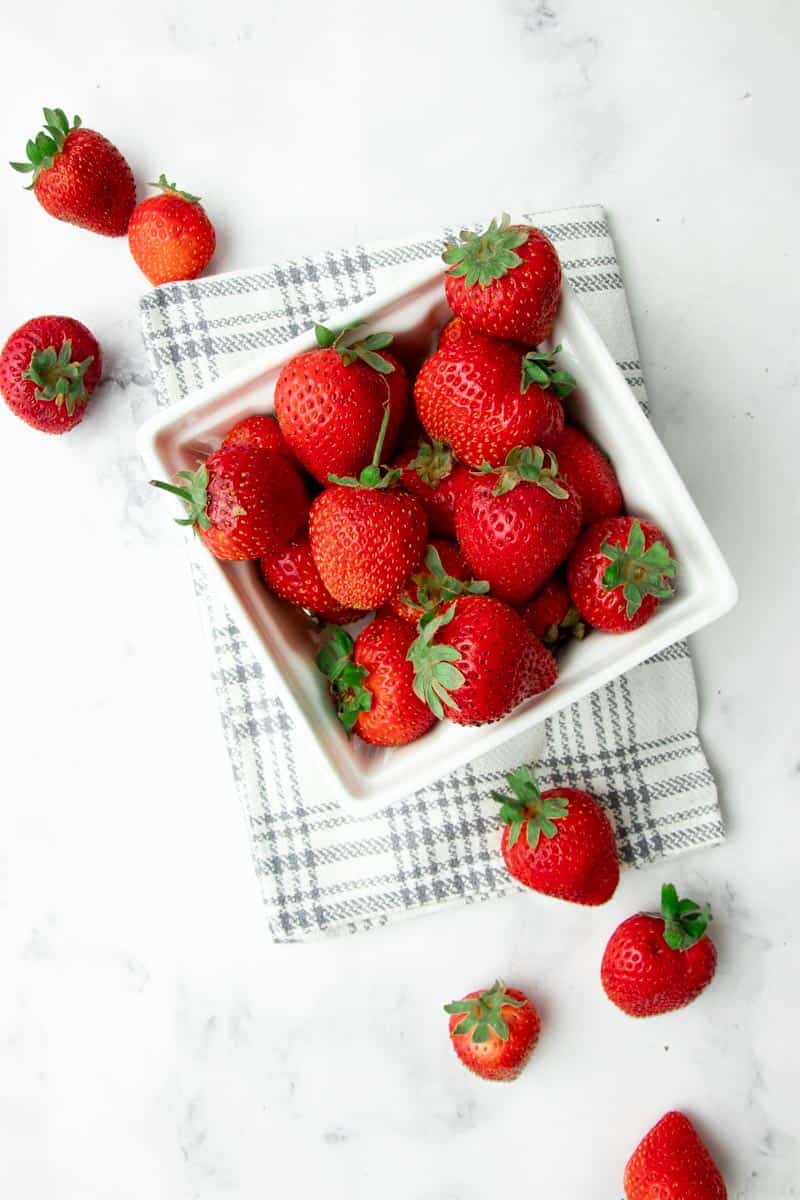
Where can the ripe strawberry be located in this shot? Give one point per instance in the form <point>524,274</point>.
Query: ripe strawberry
<point>484,397</point>
<point>568,850</point>
<point>619,572</point>
<point>372,683</point>
<point>550,615</point>
<point>170,235</point>
<point>499,661</point>
<point>245,503</point>
<point>655,962</point>
<point>516,523</point>
<point>455,330</point>
<point>292,574</point>
<point>586,468</point>
<point>505,282</point>
<point>444,576</point>
<point>263,432</point>
<point>79,177</point>
<point>672,1163</point>
<point>494,1031</point>
<point>330,401</point>
<point>432,474</point>
<point>49,368</point>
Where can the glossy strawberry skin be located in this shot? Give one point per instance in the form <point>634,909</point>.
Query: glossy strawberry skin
<point>396,716</point>
<point>256,502</point>
<point>261,431</point>
<point>603,609</point>
<point>20,394</point>
<point>293,576</point>
<point>454,564</point>
<point>643,976</point>
<point>585,467</point>
<point>439,498</point>
<point>330,414</point>
<point>170,238</point>
<point>496,1059</point>
<point>672,1163</point>
<point>468,395</point>
<point>89,185</point>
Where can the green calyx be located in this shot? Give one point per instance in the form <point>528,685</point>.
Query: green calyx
<point>172,189</point>
<point>526,464</point>
<point>193,493</point>
<point>570,625</point>
<point>345,678</point>
<point>57,377</point>
<point>433,463</point>
<point>685,921</point>
<point>527,808</point>
<point>373,476</point>
<point>637,571</point>
<point>482,1015</point>
<point>539,367</point>
<point>361,350</point>
<point>435,587</point>
<point>435,675</point>
<point>43,149</point>
<point>483,257</point>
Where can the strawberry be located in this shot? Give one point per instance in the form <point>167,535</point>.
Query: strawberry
<point>292,574</point>
<point>261,431</point>
<point>499,661</point>
<point>494,1031</point>
<point>79,177</point>
<point>484,397</point>
<point>516,523</point>
<point>550,615</point>
<point>672,1163</point>
<point>619,572</point>
<point>587,469</point>
<point>505,282</point>
<point>657,962</point>
<point>444,576</point>
<point>372,680</point>
<point>330,401</point>
<point>170,235</point>
<point>49,368</point>
<point>568,850</point>
<point>455,330</point>
<point>431,473</point>
<point>245,503</point>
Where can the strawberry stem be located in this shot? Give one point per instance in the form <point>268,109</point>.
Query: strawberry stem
<point>172,189</point>
<point>57,377</point>
<point>528,808</point>
<point>48,144</point>
<point>481,1014</point>
<point>685,921</point>
<point>194,495</point>
<point>637,571</point>
<point>483,257</point>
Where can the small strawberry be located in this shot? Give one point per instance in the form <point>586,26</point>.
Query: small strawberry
<point>245,503</point>
<point>505,282</point>
<point>292,574</point>
<point>444,576</point>
<point>432,474</point>
<point>657,962</point>
<point>672,1163</point>
<point>330,401</point>
<point>568,848</point>
<point>586,468</point>
<point>79,177</point>
<point>170,235</point>
<point>483,397</point>
<point>619,572</point>
<point>494,1031</point>
<point>516,523</point>
<point>477,658</point>
<point>264,432</point>
<point>372,680</point>
<point>550,614</point>
<point>49,368</point>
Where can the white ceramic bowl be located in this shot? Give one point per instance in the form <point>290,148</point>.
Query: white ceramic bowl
<point>604,405</point>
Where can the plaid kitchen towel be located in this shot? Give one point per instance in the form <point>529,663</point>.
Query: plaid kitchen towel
<point>633,744</point>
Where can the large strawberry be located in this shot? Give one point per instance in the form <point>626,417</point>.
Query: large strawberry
<point>372,680</point>
<point>170,235</point>
<point>672,1163</point>
<point>494,1031</point>
<point>483,397</point>
<point>475,660</point>
<point>79,176</point>
<point>558,842</point>
<point>49,368</point>
<point>505,282</point>
<point>551,615</point>
<point>260,430</point>
<point>330,401</point>
<point>432,474</point>
<point>656,962</point>
<point>292,574</point>
<point>619,572</point>
<point>587,469</point>
<point>443,576</point>
<point>244,502</point>
<point>516,523</point>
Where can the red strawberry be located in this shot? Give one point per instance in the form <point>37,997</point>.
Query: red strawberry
<point>79,177</point>
<point>49,368</point>
<point>261,431</point>
<point>505,282</point>
<point>330,401</point>
<point>550,615</point>
<point>655,963</point>
<point>292,574</point>
<point>372,683</point>
<point>170,235</point>
<point>672,1163</point>
<point>455,330</point>
<point>444,576</point>
<point>493,1032</point>
<point>586,468</point>
<point>484,397</point>
<point>619,572</point>
<point>431,473</point>
<point>245,503</point>
<point>516,523</point>
<point>481,651</point>
<point>568,848</point>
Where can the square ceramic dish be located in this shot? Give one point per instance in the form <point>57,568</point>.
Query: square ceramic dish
<point>604,405</point>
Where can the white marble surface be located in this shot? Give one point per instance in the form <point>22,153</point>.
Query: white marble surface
<point>154,1043</point>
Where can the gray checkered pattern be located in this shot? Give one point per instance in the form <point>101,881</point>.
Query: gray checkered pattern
<point>633,744</point>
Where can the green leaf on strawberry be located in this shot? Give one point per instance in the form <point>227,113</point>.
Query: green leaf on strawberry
<point>194,494</point>
<point>44,148</point>
<point>539,367</point>
<point>435,676</point>
<point>685,921</point>
<point>483,257</point>
<point>345,678</point>
<point>637,571</point>
<point>57,377</point>
<point>526,464</point>
<point>527,808</point>
<point>482,1015</point>
<point>362,350</point>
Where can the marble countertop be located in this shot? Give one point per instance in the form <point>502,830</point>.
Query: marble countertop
<point>155,1043</point>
